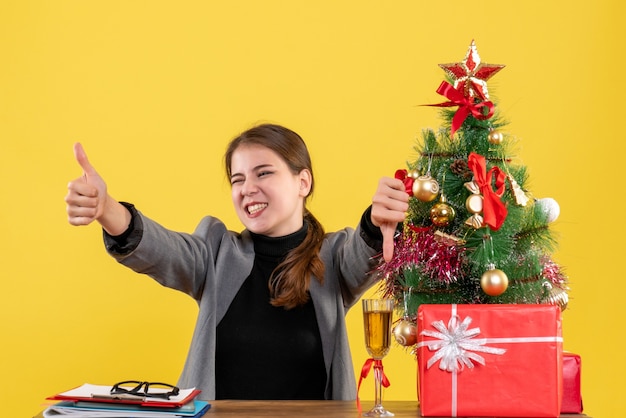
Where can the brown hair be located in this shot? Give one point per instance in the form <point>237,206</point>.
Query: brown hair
<point>289,283</point>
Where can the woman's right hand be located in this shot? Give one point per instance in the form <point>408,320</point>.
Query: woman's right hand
<point>88,200</point>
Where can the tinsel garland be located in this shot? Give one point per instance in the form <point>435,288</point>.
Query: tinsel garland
<point>553,273</point>
<point>421,249</point>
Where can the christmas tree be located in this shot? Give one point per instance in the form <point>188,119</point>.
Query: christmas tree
<point>473,233</point>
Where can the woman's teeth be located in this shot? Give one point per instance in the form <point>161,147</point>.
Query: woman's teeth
<point>252,209</point>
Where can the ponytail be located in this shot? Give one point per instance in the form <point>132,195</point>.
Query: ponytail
<point>289,283</point>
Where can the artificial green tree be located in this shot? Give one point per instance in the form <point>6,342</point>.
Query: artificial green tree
<point>474,233</point>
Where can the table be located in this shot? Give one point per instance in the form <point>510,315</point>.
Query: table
<point>309,409</point>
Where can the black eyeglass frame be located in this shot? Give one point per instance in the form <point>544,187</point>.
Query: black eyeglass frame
<point>117,389</point>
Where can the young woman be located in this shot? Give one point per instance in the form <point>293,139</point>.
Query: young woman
<point>272,299</point>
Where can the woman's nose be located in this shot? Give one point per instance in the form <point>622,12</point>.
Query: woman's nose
<point>248,187</point>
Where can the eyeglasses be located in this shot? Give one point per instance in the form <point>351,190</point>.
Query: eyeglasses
<point>145,389</point>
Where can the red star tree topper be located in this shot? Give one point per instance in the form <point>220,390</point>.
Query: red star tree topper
<point>472,74</point>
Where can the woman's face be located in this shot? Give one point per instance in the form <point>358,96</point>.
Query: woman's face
<point>268,197</point>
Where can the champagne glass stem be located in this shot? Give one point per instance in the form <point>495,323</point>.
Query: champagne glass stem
<point>378,410</point>
<point>378,388</point>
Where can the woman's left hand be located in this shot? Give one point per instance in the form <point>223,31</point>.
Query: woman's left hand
<point>389,206</point>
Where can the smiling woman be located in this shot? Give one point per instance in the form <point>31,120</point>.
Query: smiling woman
<point>261,177</point>
<point>271,176</point>
<point>259,307</point>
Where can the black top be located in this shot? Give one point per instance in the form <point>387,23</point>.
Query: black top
<point>263,352</point>
<point>267,352</point>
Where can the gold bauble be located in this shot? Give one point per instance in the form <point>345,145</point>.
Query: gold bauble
<point>494,282</point>
<point>405,333</point>
<point>425,188</point>
<point>413,174</point>
<point>441,214</point>
<point>556,296</point>
<point>474,203</point>
<point>495,137</point>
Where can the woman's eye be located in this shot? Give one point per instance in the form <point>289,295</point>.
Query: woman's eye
<point>264,173</point>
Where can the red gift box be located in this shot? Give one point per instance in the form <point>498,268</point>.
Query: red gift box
<point>572,398</point>
<point>490,360</point>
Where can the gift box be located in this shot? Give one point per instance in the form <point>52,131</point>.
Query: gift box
<point>572,398</point>
<point>490,360</point>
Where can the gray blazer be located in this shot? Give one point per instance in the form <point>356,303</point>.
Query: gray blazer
<point>211,265</point>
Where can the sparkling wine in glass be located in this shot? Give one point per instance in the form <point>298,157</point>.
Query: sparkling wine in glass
<point>377,318</point>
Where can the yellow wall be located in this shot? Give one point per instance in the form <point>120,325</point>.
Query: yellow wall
<point>155,89</point>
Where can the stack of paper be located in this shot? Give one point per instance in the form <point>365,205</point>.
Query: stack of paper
<point>89,401</point>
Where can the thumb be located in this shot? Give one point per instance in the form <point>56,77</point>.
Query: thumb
<point>388,230</point>
<point>83,161</point>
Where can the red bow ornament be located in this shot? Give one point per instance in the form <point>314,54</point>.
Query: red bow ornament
<point>494,210</point>
<point>406,179</point>
<point>466,105</point>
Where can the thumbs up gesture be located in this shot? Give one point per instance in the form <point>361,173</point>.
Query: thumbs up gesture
<point>86,197</point>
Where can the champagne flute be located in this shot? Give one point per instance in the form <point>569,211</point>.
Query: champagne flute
<point>377,318</point>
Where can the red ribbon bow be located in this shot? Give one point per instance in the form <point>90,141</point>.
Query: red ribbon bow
<point>406,179</point>
<point>494,210</point>
<point>378,367</point>
<point>466,106</point>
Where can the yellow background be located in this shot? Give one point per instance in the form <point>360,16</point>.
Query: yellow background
<point>155,89</point>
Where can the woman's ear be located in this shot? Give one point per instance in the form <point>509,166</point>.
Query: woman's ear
<point>305,182</point>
